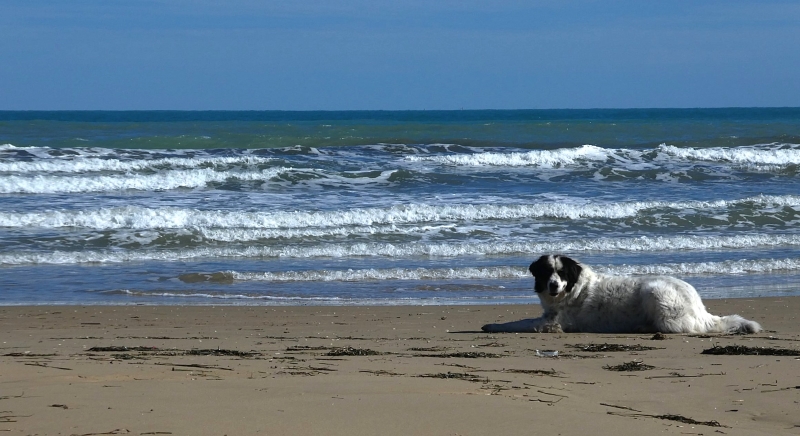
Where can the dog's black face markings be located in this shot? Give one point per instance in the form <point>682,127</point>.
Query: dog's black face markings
<point>570,271</point>
<point>542,270</point>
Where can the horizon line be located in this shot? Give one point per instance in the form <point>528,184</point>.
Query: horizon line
<point>406,110</point>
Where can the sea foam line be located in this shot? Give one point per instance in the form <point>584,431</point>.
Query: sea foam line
<point>728,267</point>
<point>735,267</point>
<point>280,300</point>
<point>766,154</point>
<point>194,178</point>
<point>374,274</point>
<point>763,154</point>
<point>136,217</point>
<point>244,235</point>
<point>544,158</point>
<point>174,179</point>
<point>94,164</point>
<point>386,250</point>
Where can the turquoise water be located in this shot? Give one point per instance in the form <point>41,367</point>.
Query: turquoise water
<point>518,128</point>
<point>411,207</point>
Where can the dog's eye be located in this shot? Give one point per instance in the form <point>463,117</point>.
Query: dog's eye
<point>562,274</point>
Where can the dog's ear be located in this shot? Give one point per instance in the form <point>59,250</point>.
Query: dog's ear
<point>540,267</point>
<point>571,270</point>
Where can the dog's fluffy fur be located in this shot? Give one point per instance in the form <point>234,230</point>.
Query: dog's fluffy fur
<point>576,299</point>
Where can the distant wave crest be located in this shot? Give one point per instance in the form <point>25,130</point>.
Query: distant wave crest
<point>730,267</point>
<point>95,164</point>
<point>776,154</point>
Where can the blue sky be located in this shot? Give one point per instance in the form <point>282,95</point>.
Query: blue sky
<point>408,54</point>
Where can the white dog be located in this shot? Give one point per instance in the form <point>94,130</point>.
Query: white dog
<point>576,299</point>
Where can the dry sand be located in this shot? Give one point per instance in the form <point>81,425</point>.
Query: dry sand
<point>180,370</point>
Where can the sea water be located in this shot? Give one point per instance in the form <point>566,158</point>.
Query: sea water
<point>388,208</point>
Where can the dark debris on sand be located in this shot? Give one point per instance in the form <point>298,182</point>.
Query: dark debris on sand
<point>301,348</point>
<point>670,417</point>
<point>551,372</point>
<point>635,365</point>
<point>456,375</point>
<point>155,351</point>
<point>428,349</point>
<point>607,348</point>
<point>120,349</point>
<point>221,352</point>
<point>350,351</point>
<point>464,354</point>
<point>739,350</point>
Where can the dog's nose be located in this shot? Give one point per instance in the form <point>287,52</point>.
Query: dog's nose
<point>553,286</point>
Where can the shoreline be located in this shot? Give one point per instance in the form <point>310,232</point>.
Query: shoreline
<point>334,305</point>
<point>178,369</point>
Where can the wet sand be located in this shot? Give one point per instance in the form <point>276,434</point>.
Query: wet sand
<point>421,370</point>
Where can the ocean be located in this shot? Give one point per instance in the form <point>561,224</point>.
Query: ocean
<point>391,208</point>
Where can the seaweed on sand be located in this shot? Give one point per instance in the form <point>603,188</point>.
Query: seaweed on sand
<point>221,352</point>
<point>456,375</point>
<point>464,354</point>
<point>607,348</point>
<point>551,372</point>
<point>301,348</point>
<point>739,350</point>
<point>350,351</point>
<point>635,365</point>
<point>121,349</point>
<point>670,417</point>
<point>428,349</point>
<point>155,351</point>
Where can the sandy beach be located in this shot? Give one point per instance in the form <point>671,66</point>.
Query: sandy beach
<point>421,370</point>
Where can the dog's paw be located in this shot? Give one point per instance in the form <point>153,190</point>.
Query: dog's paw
<point>551,328</point>
<point>749,327</point>
<point>490,328</point>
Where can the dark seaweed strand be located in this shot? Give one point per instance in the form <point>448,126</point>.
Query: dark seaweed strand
<point>741,350</point>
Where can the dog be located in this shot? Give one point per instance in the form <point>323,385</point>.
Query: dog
<point>576,299</point>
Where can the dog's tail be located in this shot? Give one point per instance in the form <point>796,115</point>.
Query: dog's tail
<point>733,324</point>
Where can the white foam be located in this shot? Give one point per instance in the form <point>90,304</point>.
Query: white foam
<point>241,235</point>
<point>765,154</point>
<point>737,267</point>
<point>775,155</point>
<point>276,300</point>
<point>387,250</point>
<point>136,217</point>
<point>543,158</point>
<point>194,178</point>
<point>11,147</point>
<point>374,274</point>
<point>94,164</point>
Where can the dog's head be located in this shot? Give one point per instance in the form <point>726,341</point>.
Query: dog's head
<point>555,274</point>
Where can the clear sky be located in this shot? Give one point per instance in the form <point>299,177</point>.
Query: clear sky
<point>397,54</point>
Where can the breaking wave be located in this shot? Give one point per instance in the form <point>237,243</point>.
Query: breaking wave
<point>136,217</point>
<point>386,250</point>
<point>546,158</point>
<point>767,154</point>
<point>730,267</point>
<point>775,154</point>
<point>194,178</point>
<point>94,164</point>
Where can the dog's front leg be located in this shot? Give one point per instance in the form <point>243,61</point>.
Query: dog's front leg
<point>545,324</point>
